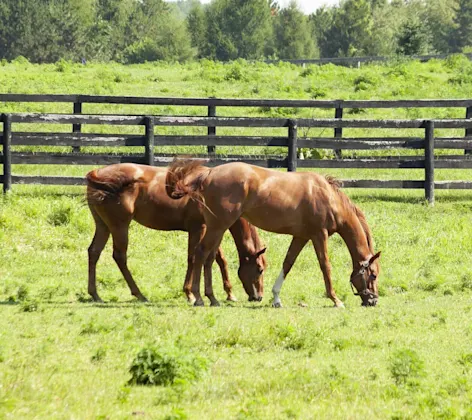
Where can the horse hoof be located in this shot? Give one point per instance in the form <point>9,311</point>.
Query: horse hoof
<point>231,298</point>
<point>277,305</point>
<point>143,299</point>
<point>199,302</point>
<point>216,303</point>
<point>339,305</point>
<point>97,299</point>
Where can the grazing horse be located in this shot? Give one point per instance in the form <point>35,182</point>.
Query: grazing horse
<point>305,205</point>
<point>119,193</point>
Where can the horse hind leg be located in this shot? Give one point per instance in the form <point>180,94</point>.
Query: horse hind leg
<point>102,233</point>
<point>120,250</point>
<point>223,264</point>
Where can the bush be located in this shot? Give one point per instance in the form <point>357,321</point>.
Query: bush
<point>60,216</point>
<point>164,367</point>
<point>406,366</point>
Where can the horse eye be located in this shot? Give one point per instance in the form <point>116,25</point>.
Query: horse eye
<point>373,276</point>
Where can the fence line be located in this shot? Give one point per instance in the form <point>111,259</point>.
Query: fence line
<point>291,141</point>
<point>359,60</point>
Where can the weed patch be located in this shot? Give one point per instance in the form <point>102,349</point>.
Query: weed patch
<point>165,367</point>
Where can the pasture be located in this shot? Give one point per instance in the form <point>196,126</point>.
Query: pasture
<point>62,356</point>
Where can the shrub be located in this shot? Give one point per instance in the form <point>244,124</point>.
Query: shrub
<point>308,71</point>
<point>164,367</point>
<point>406,366</point>
<point>29,306</point>
<point>60,216</point>
<point>235,73</point>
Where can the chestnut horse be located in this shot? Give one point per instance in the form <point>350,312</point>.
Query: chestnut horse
<point>118,194</point>
<point>305,205</point>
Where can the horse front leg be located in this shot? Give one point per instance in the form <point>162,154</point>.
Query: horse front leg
<point>209,243</point>
<point>195,235</point>
<point>223,264</point>
<point>208,278</point>
<point>320,242</point>
<point>294,250</point>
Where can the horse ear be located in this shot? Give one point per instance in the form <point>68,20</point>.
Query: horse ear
<point>374,257</point>
<point>262,251</point>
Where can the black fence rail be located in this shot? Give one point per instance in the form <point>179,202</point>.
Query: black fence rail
<point>76,105</point>
<point>357,61</point>
<point>151,139</point>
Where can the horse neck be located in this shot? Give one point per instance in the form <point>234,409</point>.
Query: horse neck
<point>244,238</point>
<point>355,237</point>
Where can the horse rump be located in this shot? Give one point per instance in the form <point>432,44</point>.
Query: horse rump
<point>186,177</point>
<point>103,185</point>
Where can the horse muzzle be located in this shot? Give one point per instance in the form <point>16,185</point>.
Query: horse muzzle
<point>369,299</point>
<point>255,299</point>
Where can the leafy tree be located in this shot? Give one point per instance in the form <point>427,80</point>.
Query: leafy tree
<point>292,34</point>
<point>238,29</point>
<point>321,22</point>
<point>197,27</point>
<point>351,30</point>
<point>414,38</point>
<point>462,33</point>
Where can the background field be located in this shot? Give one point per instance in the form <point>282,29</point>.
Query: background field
<point>64,357</point>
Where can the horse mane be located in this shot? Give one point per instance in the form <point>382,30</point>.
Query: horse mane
<point>105,186</point>
<point>176,184</point>
<point>336,185</point>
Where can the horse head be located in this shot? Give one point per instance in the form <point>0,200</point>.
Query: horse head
<point>251,273</point>
<point>365,281</point>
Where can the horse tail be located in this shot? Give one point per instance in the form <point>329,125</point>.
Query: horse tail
<point>102,186</point>
<point>185,178</point>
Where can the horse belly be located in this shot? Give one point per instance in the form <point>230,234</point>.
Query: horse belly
<point>161,218</point>
<point>278,222</point>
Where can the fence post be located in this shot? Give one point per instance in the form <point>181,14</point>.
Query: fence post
<point>6,152</point>
<point>338,131</point>
<point>211,130</point>
<point>292,146</point>
<point>77,128</point>
<point>468,131</point>
<point>149,145</point>
<point>429,162</point>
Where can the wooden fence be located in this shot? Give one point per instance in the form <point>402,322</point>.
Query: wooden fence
<point>76,105</point>
<point>357,61</point>
<point>151,138</point>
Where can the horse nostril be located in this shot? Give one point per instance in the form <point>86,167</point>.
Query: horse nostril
<point>260,299</point>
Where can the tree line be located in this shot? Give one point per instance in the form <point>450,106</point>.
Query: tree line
<point>135,31</point>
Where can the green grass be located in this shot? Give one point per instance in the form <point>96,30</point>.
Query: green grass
<point>64,357</point>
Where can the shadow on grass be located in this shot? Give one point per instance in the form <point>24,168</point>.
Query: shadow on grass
<point>8,303</point>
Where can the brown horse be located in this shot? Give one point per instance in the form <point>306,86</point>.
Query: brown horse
<point>118,194</point>
<point>305,205</point>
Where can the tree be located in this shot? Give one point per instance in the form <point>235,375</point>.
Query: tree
<point>462,32</point>
<point>238,29</point>
<point>414,38</point>
<point>351,30</point>
<point>321,22</point>
<point>293,38</point>
<point>197,28</point>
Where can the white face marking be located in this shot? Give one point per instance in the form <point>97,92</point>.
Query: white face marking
<point>277,287</point>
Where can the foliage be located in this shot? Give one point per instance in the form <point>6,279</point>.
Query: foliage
<point>133,31</point>
<point>406,366</point>
<point>165,367</point>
